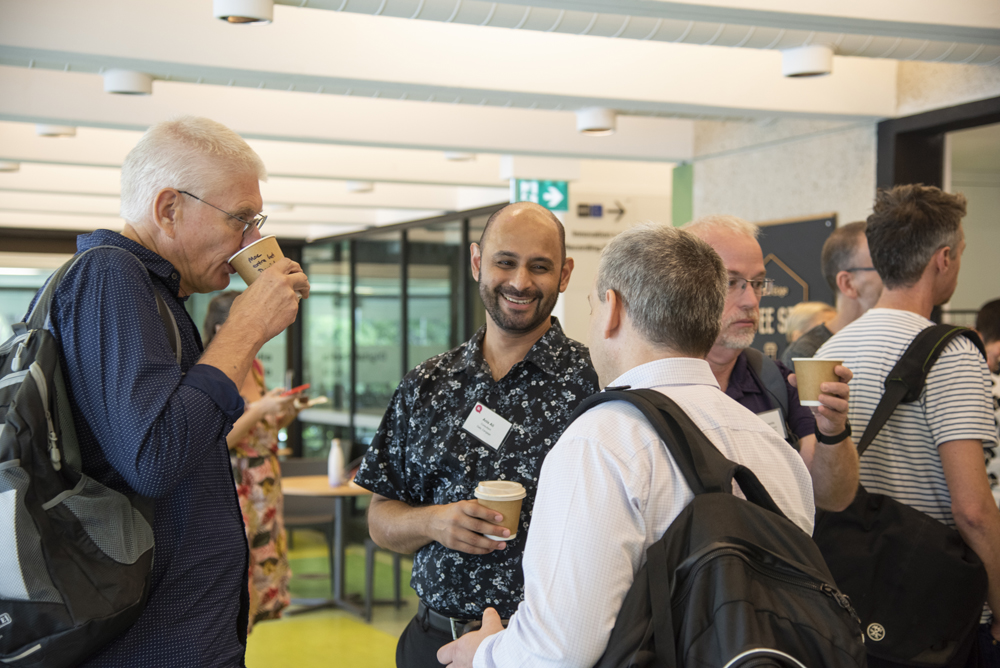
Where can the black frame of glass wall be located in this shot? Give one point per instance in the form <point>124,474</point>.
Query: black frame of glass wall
<point>367,321</point>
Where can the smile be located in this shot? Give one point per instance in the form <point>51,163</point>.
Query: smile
<point>517,301</point>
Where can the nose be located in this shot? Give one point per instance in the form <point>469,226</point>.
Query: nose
<point>520,280</point>
<point>252,235</point>
<point>748,298</point>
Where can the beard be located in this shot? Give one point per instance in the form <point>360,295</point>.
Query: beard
<point>517,323</point>
<point>738,340</point>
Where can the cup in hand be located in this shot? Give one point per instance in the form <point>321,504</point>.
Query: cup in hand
<point>250,262</point>
<point>504,497</point>
<point>809,373</point>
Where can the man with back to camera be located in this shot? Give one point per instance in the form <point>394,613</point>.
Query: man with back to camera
<point>833,464</point>
<point>929,455</point>
<point>190,199</point>
<point>423,466</point>
<point>609,489</point>
<point>847,268</point>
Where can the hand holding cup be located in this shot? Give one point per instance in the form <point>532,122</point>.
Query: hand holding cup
<point>823,385</point>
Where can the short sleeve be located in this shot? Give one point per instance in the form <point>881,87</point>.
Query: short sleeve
<point>957,399</point>
<point>383,467</point>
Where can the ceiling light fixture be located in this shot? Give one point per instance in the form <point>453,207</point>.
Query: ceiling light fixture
<point>244,11</point>
<point>360,186</point>
<point>457,156</point>
<point>8,166</point>
<point>46,130</point>
<point>596,121</point>
<point>807,61</point>
<point>127,82</point>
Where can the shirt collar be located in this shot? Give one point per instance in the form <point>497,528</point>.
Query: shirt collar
<point>668,371</point>
<point>545,354</point>
<point>741,381</point>
<point>154,264</point>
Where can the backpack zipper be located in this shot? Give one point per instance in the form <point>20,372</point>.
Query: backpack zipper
<point>43,389</point>
<point>771,572</point>
<point>16,364</point>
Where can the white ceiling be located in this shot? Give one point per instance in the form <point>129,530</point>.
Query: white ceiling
<point>368,93</point>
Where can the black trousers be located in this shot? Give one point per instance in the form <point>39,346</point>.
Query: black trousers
<point>419,644</point>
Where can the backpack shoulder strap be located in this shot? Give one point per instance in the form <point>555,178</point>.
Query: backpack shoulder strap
<point>906,380</point>
<point>705,469</point>
<point>38,318</point>
<point>770,377</point>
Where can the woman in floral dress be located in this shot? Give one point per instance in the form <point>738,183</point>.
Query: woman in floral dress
<point>253,448</point>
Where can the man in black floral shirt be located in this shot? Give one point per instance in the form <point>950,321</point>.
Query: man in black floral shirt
<point>424,466</point>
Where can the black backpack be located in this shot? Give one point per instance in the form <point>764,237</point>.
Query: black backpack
<point>732,582</point>
<point>918,588</point>
<point>75,556</point>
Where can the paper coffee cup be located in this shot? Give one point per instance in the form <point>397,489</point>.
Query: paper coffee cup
<point>504,497</point>
<point>250,262</point>
<point>810,372</point>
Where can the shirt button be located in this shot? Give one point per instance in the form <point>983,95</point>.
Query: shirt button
<point>174,275</point>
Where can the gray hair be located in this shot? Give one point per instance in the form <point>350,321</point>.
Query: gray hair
<point>188,153</point>
<point>722,223</point>
<point>672,284</point>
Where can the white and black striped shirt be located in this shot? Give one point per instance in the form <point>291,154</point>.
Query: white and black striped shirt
<point>903,462</point>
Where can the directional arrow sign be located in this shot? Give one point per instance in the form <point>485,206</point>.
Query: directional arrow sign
<point>553,195</point>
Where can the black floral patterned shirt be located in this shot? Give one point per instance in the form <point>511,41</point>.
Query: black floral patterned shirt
<point>422,456</point>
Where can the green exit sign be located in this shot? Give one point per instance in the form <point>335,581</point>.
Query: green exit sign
<point>553,195</point>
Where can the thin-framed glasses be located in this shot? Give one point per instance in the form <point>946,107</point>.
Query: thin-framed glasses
<point>762,287</point>
<point>860,269</point>
<point>257,221</point>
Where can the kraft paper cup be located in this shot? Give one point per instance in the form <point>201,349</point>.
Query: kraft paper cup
<point>810,372</point>
<point>250,262</point>
<point>504,497</point>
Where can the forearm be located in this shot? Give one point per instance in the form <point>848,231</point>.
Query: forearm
<point>399,527</point>
<point>983,536</point>
<point>834,470</point>
<point>242,427</point>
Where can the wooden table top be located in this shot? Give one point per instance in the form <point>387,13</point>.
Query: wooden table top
<point>319,485</point>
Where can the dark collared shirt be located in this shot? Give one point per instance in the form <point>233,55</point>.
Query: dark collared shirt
<point>807,344</point>
<point>746,389</point>
<point>150,426</point>
<point>422,456</point>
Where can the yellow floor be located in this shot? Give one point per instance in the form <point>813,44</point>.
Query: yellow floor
<point>324,638</point>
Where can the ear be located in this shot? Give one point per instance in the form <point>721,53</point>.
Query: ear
<point>567,269</point>
<point>614,312</point>
<point>477,260</point>
<point>845,284</point>
<point>942,259</point>
<point>165,211</point>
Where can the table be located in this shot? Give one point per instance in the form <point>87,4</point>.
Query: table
<point>319,485</point>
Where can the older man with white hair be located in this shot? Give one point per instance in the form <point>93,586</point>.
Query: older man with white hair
<point>832,460</point>
<point>150,426</point>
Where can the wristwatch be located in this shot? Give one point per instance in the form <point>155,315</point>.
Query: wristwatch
<point>834,440</point>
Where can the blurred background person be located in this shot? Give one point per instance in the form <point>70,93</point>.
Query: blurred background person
<point>804,316</point>
<point>988,327</point>
<point>253,449</point>
<point>847,268</point>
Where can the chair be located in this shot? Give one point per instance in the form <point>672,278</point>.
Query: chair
<point>304,512</point>
<point>397,600</point>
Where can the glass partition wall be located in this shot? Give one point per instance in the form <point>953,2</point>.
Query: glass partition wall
<point>382,302</point>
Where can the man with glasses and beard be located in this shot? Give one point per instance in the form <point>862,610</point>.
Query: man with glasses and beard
<point>832,461</point>
<point>520,373</point>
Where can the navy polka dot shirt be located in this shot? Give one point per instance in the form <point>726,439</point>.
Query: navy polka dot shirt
<point>147,425</point>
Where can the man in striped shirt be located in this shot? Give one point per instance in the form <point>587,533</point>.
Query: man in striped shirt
<point>929,455</point>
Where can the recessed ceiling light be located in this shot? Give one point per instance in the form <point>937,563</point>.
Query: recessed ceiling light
<point>360,186</point>
<point>46,130</point>
<point>7,166</point>
<point>456,156</point>
<point>807,61</point>
<point>596,121</point>
<point>127,82</point>
<point>244,11</point>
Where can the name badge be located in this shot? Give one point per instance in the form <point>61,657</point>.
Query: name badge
<point>487,426</point>
<point>775,421</point>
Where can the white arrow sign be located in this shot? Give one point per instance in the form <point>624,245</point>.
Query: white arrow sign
<point>552,197</point>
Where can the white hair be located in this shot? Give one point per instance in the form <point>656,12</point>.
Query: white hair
<point>722,223</point>
<point>187,153</point>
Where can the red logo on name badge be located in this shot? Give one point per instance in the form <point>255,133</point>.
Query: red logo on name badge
<point>479,408</point>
